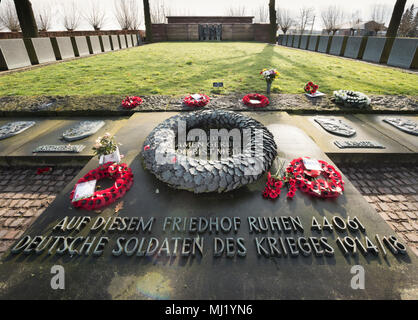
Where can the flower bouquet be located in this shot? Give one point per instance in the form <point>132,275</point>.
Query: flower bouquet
<point>269,76</point>
<point>107,149</point>
<point>351,99</point>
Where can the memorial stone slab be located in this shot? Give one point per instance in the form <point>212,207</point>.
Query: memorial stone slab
<point>13,54</point>
<point>404,125</point>
<point>312,43</point>
<point>335,126</point>
<point>296,42</point>
<point>349,144</point>
<point>403,52</point>
<point>280,39</point>
<point>374,49</point>
<point>284,42</point>
<point>65,47</point>
<point>376,122</point>
<point>59,148</point>
<point>115,42</point>
<point>82,130</point>
<point>43,49</point>
<point>303,271</point>
<point>122,40</point>
<point>352,49</point>
<point>106,43</point>
<point>129,40</point>
<point>95,44</point>
<point>323,44</point>
<point>304,42</point>
<point>336,45</point>
<point>364,131</point>
<point>290,41</point>
<point>14,128</point>
<point>82,46</point>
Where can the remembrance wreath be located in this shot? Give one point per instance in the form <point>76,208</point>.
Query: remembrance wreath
<point>298,177</point>
<point>123,181</point>
<point>131,102</point>
<point>264,101</point>
<point>191,102</point>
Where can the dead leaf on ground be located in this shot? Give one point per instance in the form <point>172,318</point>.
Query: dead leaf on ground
<point>119,207</point>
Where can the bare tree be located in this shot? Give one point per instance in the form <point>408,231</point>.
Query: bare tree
<point>355,21</point>
<point>332,18</point>
<point>379,14</point>
<point>44,14</point>
<point>95,15</point>
<point>261,14</point>
<point>127,14</point>
<point>284,19</point>
<point>8,16</point>
<point>236,11</point>
<point>71,15</point>
<point>306,17</point>
<point>159,11</point>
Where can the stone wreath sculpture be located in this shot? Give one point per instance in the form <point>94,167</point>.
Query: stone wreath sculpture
<point>182,171</point>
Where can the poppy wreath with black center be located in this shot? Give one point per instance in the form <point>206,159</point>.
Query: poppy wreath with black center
<point>123,181</point>
<point>264,101</point>
<point>191,102</point>
<point>131,102</point>
<point>311,87</point>
<point>330,187</point>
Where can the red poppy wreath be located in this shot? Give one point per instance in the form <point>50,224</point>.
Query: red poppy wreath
<point>192,102</point>
<point>308,181</point>
<point>131,102</point>
<point>123,181</point>
<point>255,100</point>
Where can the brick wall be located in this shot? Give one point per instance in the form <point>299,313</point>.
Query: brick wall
<point>230,32</point>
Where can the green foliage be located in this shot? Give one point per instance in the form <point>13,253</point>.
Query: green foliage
<point>162,68</point>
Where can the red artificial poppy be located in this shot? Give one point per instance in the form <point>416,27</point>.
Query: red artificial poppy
<point>43,170</point>
<point>263,100</point>
<point>291,194</point>
<point>273,194</point>
<point>147,147</point>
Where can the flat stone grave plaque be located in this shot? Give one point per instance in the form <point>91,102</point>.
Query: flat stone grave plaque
<point>115,42</point>
<point>82,130</point>
<point>43,49</point>
<point>347,144</point>
<point>106,43</point>
<point>14,54</point>
<point>374,49</point>
<point>312,43</point>
<point>14,128</point>
<point>65,47</point>
<point>59,148</point>
<point>336,126</point>
<point>336,45</point>
<point>403,52</point>
<point>323,44</point>
<point>95,44</point>
<point>353,47</point>
<point>407,126</point>
<point>82,46</point>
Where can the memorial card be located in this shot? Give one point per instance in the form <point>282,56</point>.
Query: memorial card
<point>84,190</point>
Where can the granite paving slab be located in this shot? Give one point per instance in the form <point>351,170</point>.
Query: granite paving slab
<point>205,276</point>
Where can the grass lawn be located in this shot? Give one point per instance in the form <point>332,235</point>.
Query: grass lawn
<point>187,67</point>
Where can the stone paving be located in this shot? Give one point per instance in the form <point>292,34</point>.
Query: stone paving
<point>393,191</point>
<point>24,195</point>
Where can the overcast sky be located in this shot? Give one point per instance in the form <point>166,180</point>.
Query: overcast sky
<point>219,7</point>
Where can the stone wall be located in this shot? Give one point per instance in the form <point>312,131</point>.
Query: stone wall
<point>230,32</point>
<point>398,52</point>
<point>18,53</point>
<point>51,34</point>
